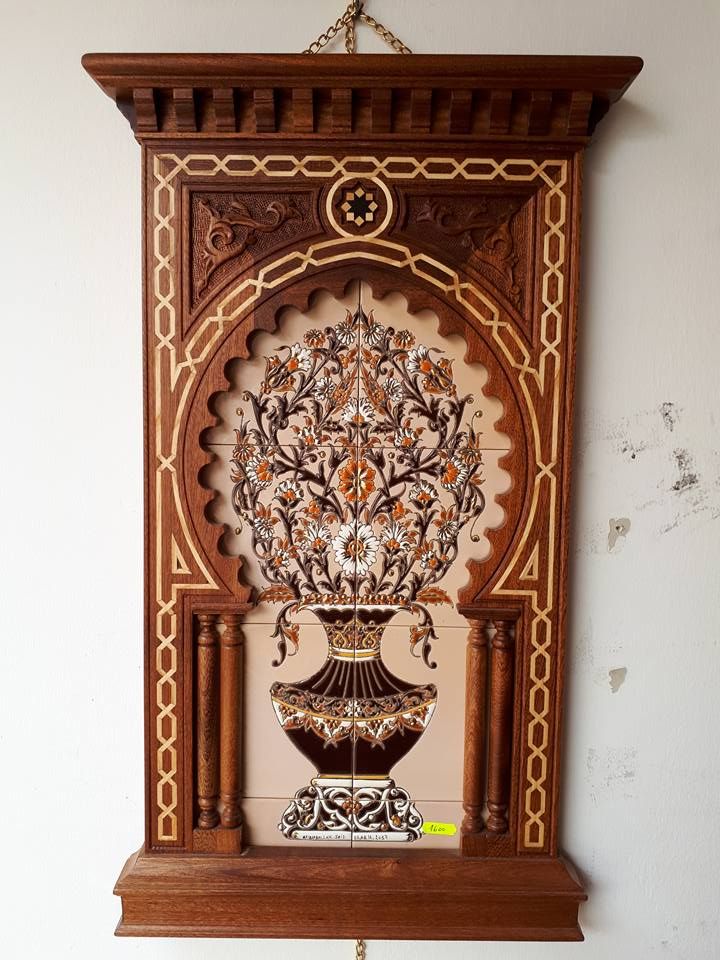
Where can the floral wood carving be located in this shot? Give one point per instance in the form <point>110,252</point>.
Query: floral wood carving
<point>485,227</point>
<point>229,234</point>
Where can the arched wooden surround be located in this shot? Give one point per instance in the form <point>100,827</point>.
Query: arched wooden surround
<point>237,343</point>
<point>478,163</point>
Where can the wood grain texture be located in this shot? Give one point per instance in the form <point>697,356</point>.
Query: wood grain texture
<point>475,754</point>
<point>481,160</point>
<point>230,714</point>
<point>530,97</point>
<point>429,897</point>
<point>500,726</point>
<point>208,733</point>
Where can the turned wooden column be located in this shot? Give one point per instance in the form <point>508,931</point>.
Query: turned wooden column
<point>207,743</point>
<point>502,657</point>
<point>230,658</point>
<point>475,727</point>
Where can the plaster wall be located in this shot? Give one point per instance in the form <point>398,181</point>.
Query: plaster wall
<point>642,758</point>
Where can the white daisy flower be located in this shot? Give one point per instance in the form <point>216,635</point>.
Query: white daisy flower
<point>300,358</point>
<point>289,492</point>
<point>356,548</point>
<point>395,537</point>
<point>262,528</point>
<point>260,471</point>
<point>324,389</point>
<point>345,332</point>
<point>318,536</point>
<point>423,493</point>
<point>393,390</point>
<point>374,334</point>
<point>358,411</point>
<point>404,438</point>
<point>448,531</point>
<point>418,360</point>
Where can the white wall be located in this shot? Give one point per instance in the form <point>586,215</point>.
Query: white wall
<point>642,770</point>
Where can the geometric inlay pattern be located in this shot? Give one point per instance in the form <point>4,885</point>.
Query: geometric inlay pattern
<point>175,372</point>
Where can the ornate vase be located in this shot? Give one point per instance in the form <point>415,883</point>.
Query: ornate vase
<point>354,720</point>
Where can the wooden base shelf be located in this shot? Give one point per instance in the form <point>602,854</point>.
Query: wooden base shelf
<point>349,895</point>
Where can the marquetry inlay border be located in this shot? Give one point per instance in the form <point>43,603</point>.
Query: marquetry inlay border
<point>175,366</point>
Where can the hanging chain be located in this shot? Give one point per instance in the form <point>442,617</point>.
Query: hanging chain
<point>359,950</point>
<point>354,11</point>
<point>388,36</point>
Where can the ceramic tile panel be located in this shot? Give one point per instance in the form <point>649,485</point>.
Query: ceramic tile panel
<point>438,828</point>
<point>341,365</point>
<point>300,383</point>
<point>433,768</point>
<point>416,386</point>
<point>289,513</point>
<point>270,822</point>
<point>357,464</point>
<point>429,511</point>
<point>272,767</point>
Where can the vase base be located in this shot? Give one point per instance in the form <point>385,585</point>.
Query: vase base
<point>335,809</point>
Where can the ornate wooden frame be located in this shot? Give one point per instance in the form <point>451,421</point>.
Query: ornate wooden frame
<point>485,154</point>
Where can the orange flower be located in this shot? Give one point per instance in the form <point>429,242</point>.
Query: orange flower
<point>356,481</point>
<point>283,555</point>
<point>398,510</point>
<point>425,553</point>
<point>454,474</point>
<point>314,338</point>
<point>313,509</point>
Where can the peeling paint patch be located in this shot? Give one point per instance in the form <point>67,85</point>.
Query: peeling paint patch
<point>669,414</point>
<point>617,678</point>
<point>611,771</point>
<point>688,478</point>
<point>619,529</point>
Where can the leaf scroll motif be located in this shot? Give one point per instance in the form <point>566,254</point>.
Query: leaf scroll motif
<point>368,504</point>
<point>230,234</point>
<point>487,228</point>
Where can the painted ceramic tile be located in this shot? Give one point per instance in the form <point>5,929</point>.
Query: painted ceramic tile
<point>271,769</point>
<point>288,512</point>
<point>262,826</point>
<point>428,510</point>
<point>434,770</point>
<point>323,373</point>
<point>301,384</point>
<point>357,466</point>
<point>439,830</point>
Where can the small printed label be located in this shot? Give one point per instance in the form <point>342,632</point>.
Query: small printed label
<point>439,829</point>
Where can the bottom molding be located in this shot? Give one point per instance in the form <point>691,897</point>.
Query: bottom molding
<point>276,892</point>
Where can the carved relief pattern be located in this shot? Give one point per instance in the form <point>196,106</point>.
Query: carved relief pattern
<point>174,369</point>
<point>485,232</point>
<point>227,227</point>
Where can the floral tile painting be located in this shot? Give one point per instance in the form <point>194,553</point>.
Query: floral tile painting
<point>354,475</point>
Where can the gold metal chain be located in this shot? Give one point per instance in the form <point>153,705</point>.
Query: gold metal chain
<point>359,950</point>
<point>355,11</point>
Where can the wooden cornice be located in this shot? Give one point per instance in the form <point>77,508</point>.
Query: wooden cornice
<point>419,97</point>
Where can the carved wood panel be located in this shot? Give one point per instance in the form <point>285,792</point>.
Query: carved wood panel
<point>291,398</point>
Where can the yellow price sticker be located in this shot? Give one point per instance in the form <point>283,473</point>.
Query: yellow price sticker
<point>439,829</point>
